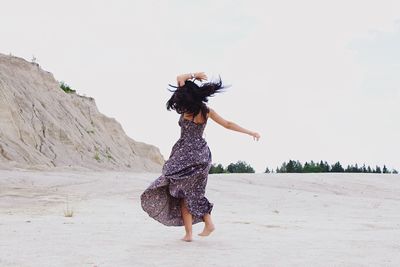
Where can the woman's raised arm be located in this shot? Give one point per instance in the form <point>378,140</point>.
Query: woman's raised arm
<point>180,79</point>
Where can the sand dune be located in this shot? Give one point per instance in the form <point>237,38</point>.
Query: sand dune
<point>261,220</point>
<point>42,127</point>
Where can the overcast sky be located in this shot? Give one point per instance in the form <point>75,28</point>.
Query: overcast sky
<point>317,79</point>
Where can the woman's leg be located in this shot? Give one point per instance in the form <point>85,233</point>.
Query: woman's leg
<point>187,220</point>
<point>208,225</point>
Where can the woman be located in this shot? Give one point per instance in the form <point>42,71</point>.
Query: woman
<point>177,198</point>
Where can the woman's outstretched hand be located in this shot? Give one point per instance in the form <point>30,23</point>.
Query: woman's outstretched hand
<point>255,135</point>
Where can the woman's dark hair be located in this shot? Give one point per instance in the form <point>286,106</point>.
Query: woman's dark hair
<point>191,98</point>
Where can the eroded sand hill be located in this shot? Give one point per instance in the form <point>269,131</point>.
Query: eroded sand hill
<point>43,127</point>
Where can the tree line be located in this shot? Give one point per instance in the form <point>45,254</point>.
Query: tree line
<point>322,166</point>
<point>238,167</point>
<point>293,166</point>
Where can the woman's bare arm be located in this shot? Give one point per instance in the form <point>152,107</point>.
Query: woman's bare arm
<point>231,125</point>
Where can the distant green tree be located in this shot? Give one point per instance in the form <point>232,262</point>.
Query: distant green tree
<point>351,168</point>
<point>395,171</point>
<point>298,167</point>
<point>267,170</point>
<point>312,167</point>
<point>378,169</point>
<point>363,168</point>
<point>385,170</point>
<point>216,169</point>
<point>324,166</point>
<point>290,167</point>
<point>240,167</point>
<point>282,168</point>
<point>356,169</point>
<point>348,169</point>
<point>337,167</point>
<point>307,167</point>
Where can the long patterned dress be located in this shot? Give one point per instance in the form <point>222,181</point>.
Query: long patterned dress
<point>184,175</point>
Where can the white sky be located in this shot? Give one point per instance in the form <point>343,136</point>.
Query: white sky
<point>317,79</point>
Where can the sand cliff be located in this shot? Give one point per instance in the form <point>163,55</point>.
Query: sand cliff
<point>42,127</point>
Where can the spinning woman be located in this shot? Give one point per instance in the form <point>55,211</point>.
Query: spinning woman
<point>176,198</point>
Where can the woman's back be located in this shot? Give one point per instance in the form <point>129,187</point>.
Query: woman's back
<point>198,119</point>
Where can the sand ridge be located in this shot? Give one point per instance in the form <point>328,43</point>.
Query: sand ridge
<point>42,127</point>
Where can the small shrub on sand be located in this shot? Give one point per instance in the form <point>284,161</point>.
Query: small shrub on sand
<point>68,212</point>
<point>96,156</point>
<point>66,88</point>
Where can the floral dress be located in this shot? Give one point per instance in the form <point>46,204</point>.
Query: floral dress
<point>184,175</point>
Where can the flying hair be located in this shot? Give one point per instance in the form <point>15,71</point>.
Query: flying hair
<point>192,98</point>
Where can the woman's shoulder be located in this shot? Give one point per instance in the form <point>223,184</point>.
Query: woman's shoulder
<point>210,112</point>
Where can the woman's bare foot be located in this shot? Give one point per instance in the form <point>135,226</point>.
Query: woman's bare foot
<point>187,238</point>
<point>208,229</point>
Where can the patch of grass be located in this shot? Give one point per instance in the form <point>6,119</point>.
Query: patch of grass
<point>68,212</point>
<point>96,156</point>
<point>66,88</point>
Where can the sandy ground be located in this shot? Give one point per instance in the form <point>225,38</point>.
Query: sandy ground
<point>261,220</point>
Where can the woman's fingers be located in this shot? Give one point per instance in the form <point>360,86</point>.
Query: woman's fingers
<point>256,136</point>
<point>201,76</point>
